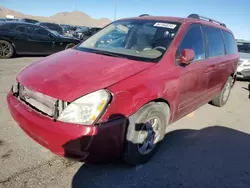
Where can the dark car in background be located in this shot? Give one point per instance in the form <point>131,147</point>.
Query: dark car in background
<point>52,26</point>
<point>85,32</point>
<point>25,38</point>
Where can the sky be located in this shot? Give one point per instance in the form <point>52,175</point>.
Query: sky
<point>234,13</point>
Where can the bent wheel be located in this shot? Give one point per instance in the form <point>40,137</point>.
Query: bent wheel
<point>145,132</point>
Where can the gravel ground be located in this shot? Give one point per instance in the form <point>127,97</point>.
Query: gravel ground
<point>209,148</point>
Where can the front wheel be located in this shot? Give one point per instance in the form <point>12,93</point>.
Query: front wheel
<point>222,99</point>
<point>145,132</point>
<point>6,49</point>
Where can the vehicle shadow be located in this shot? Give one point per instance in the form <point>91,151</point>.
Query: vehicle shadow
<point>212,157</point>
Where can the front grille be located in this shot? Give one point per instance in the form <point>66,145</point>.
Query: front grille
<point>38,101</point>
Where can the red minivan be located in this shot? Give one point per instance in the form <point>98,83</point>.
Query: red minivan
<point>114,94</point>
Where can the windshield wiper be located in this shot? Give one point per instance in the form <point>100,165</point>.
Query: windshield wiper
<point>109,54</point>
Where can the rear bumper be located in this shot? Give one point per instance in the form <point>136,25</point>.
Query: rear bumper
<point>86,143</point>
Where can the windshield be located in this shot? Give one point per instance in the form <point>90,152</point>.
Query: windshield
<point>244,47</point>
<point>144,40</point>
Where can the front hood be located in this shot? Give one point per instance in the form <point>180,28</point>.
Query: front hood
<point>70,74</point>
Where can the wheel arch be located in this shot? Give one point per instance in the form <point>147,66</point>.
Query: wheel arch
<point>12,43</point>
<point>156,100</point>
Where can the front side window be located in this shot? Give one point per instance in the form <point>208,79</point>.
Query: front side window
<point>214,41</point>
<point>193,40</point>
<point>229,42</point>
<point>143,40</point>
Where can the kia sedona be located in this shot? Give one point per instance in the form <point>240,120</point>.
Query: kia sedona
<point>98,102</point>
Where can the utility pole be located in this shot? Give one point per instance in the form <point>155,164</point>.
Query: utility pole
<point>115,11</point>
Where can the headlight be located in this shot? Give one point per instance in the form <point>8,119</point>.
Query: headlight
<point>86,109</point>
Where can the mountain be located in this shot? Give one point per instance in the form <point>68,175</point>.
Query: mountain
<point>72,18</point>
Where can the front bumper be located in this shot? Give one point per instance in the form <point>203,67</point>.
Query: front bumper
<point>86,143</point>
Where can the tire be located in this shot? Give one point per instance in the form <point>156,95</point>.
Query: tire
<point>6,49</point>
<point>222,99</point>
<point>143,132</point>
<point>70,45</point>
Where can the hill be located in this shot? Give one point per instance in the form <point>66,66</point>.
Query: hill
<point>72,18</point>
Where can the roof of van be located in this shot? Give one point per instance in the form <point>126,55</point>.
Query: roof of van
<point>178,19</point>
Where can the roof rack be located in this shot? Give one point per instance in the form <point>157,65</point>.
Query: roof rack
<point>197,16</point>
<point>142,15</point>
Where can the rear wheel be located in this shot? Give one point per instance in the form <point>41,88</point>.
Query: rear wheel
<point>70,45</point>
<point>222,99</point>
<point>6,49</point>
<point>145,132</point>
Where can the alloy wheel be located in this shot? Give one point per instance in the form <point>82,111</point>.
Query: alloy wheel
<point>5,49</point>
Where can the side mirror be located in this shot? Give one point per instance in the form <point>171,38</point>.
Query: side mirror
<point>187,56</point>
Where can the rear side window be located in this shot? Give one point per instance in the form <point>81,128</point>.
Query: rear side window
<point>229,42</point>
<point>215,42</point>
<point>193,40</point>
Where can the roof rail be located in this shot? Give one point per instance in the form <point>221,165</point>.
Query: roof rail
<point>197,16</point>
<point>142,15</point>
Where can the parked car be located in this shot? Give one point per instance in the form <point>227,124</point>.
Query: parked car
<point>86,32</point>
<point>52,26</point>
<point>243,70</point>
<point>27,20</point>
<point>9,19</point>
<point>100,103</point>
<point>24,38</point>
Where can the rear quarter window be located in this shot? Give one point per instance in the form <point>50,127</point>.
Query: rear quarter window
<point>230,43</point>
<point>214,40</point>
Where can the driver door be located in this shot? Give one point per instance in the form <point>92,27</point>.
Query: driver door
<point>192,80</point>
<point>40,40</point>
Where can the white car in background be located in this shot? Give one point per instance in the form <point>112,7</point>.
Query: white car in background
<point>243,70</point>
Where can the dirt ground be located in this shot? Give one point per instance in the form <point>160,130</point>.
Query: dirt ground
<point>208,148</point>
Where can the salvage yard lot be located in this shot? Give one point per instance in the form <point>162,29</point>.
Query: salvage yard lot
<point>210,148</point>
